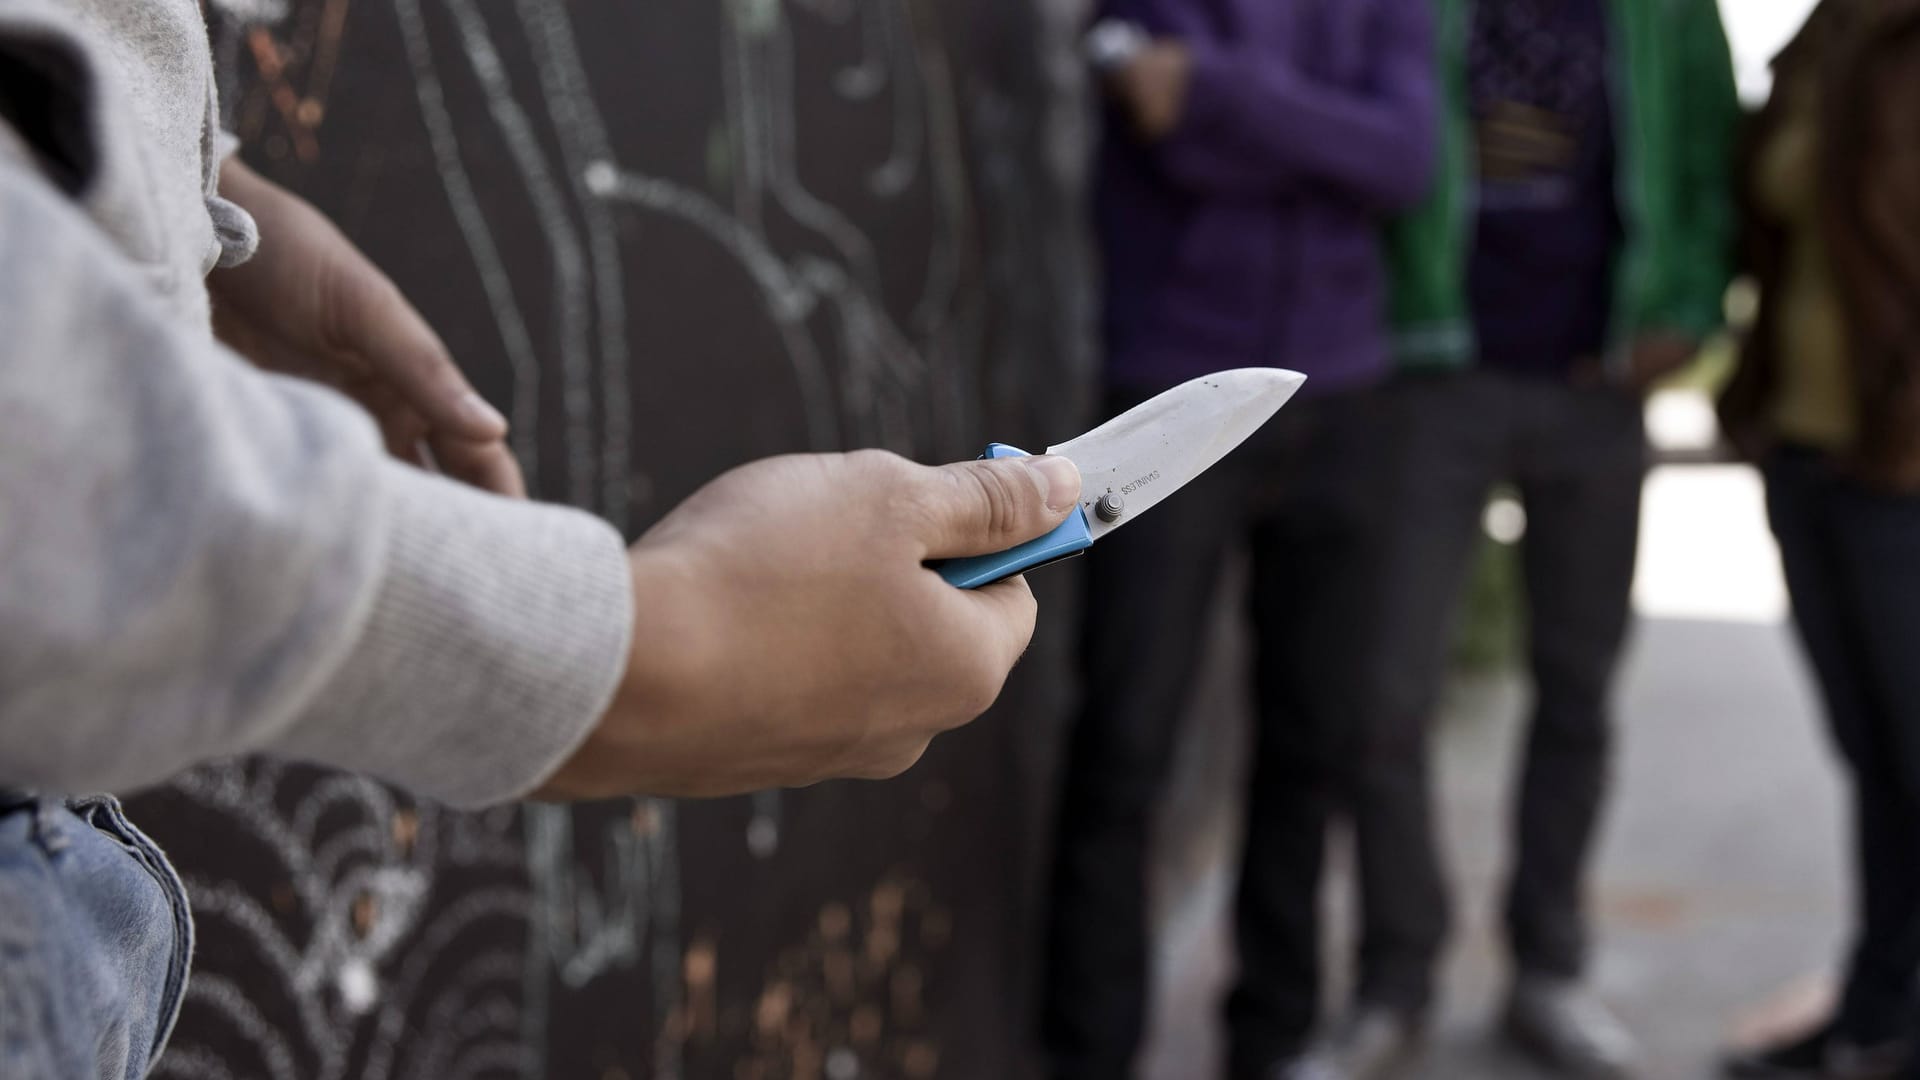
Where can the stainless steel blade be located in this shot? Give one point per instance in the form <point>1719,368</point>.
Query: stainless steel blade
<point>1150,451</point>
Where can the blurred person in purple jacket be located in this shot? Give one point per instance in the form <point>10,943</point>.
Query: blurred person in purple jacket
<point>1253,151</point>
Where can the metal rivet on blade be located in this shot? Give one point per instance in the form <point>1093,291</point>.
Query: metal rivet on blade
<point>1110,507</point>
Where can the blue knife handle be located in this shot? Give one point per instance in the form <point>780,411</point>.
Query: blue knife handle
<point>1071,538</point>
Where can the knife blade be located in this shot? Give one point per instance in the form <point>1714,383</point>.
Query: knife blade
<point>1133,462</point>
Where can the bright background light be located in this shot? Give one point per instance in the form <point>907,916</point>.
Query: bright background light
<point>1757,29</point>
<point>1705,549</point>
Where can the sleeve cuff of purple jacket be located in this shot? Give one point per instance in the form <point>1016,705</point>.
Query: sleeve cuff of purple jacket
<point>498,636</point>
<point>1210,91</point>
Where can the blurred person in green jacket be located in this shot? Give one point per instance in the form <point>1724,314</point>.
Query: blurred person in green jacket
<point>1576,248</point>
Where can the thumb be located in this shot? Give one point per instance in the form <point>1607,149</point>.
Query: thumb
<point>980,507</point>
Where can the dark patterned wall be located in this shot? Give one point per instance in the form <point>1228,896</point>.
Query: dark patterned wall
<point>667,236</point>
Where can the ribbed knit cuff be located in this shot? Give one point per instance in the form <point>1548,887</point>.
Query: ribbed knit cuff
<point>499,634</point>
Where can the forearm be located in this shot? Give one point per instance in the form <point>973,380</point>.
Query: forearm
<point>203,560</point>
<point>497,634</point>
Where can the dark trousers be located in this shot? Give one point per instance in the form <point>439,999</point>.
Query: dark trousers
<point>1852,561</point>
<point>1299,494</point>
<point>1577,457</point>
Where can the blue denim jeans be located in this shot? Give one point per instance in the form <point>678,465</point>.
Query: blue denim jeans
<point>94,941</point>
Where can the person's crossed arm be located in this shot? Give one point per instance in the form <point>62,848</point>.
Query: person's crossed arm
<point>205,560</point>
<point>1236,114</point>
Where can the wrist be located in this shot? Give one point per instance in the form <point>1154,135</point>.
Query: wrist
<point>496,635</point>
<point>672,647</point>
<point>654,707</point>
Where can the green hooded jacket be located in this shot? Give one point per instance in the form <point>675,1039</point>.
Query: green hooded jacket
<point>1676,116</point>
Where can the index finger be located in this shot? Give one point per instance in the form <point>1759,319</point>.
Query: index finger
<point>487,464</point>
<point>373,320</point>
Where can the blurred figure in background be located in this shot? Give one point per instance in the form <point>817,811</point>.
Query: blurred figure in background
<point>1253,151</point>
<point>1576,249</point>
<point>1827,401</point>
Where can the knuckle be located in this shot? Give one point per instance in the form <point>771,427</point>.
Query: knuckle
<point>884,471</point>
<point>895,761</point>
<point>346,301</point>
<point>1000,495</point>
<point>849,748</point>
<point>1024,608</point>
<point>979,689</point>
<point>435,360</point>
<point>879,460</point>
<point>333,308</point>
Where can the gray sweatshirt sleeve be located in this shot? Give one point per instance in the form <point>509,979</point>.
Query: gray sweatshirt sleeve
<point>199,560</point>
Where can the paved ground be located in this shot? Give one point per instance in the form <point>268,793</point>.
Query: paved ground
<point>1720,883</point>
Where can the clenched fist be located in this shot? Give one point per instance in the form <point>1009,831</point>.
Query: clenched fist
<point>788,630</point>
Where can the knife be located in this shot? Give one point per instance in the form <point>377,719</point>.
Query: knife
<point>1135,460</point>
